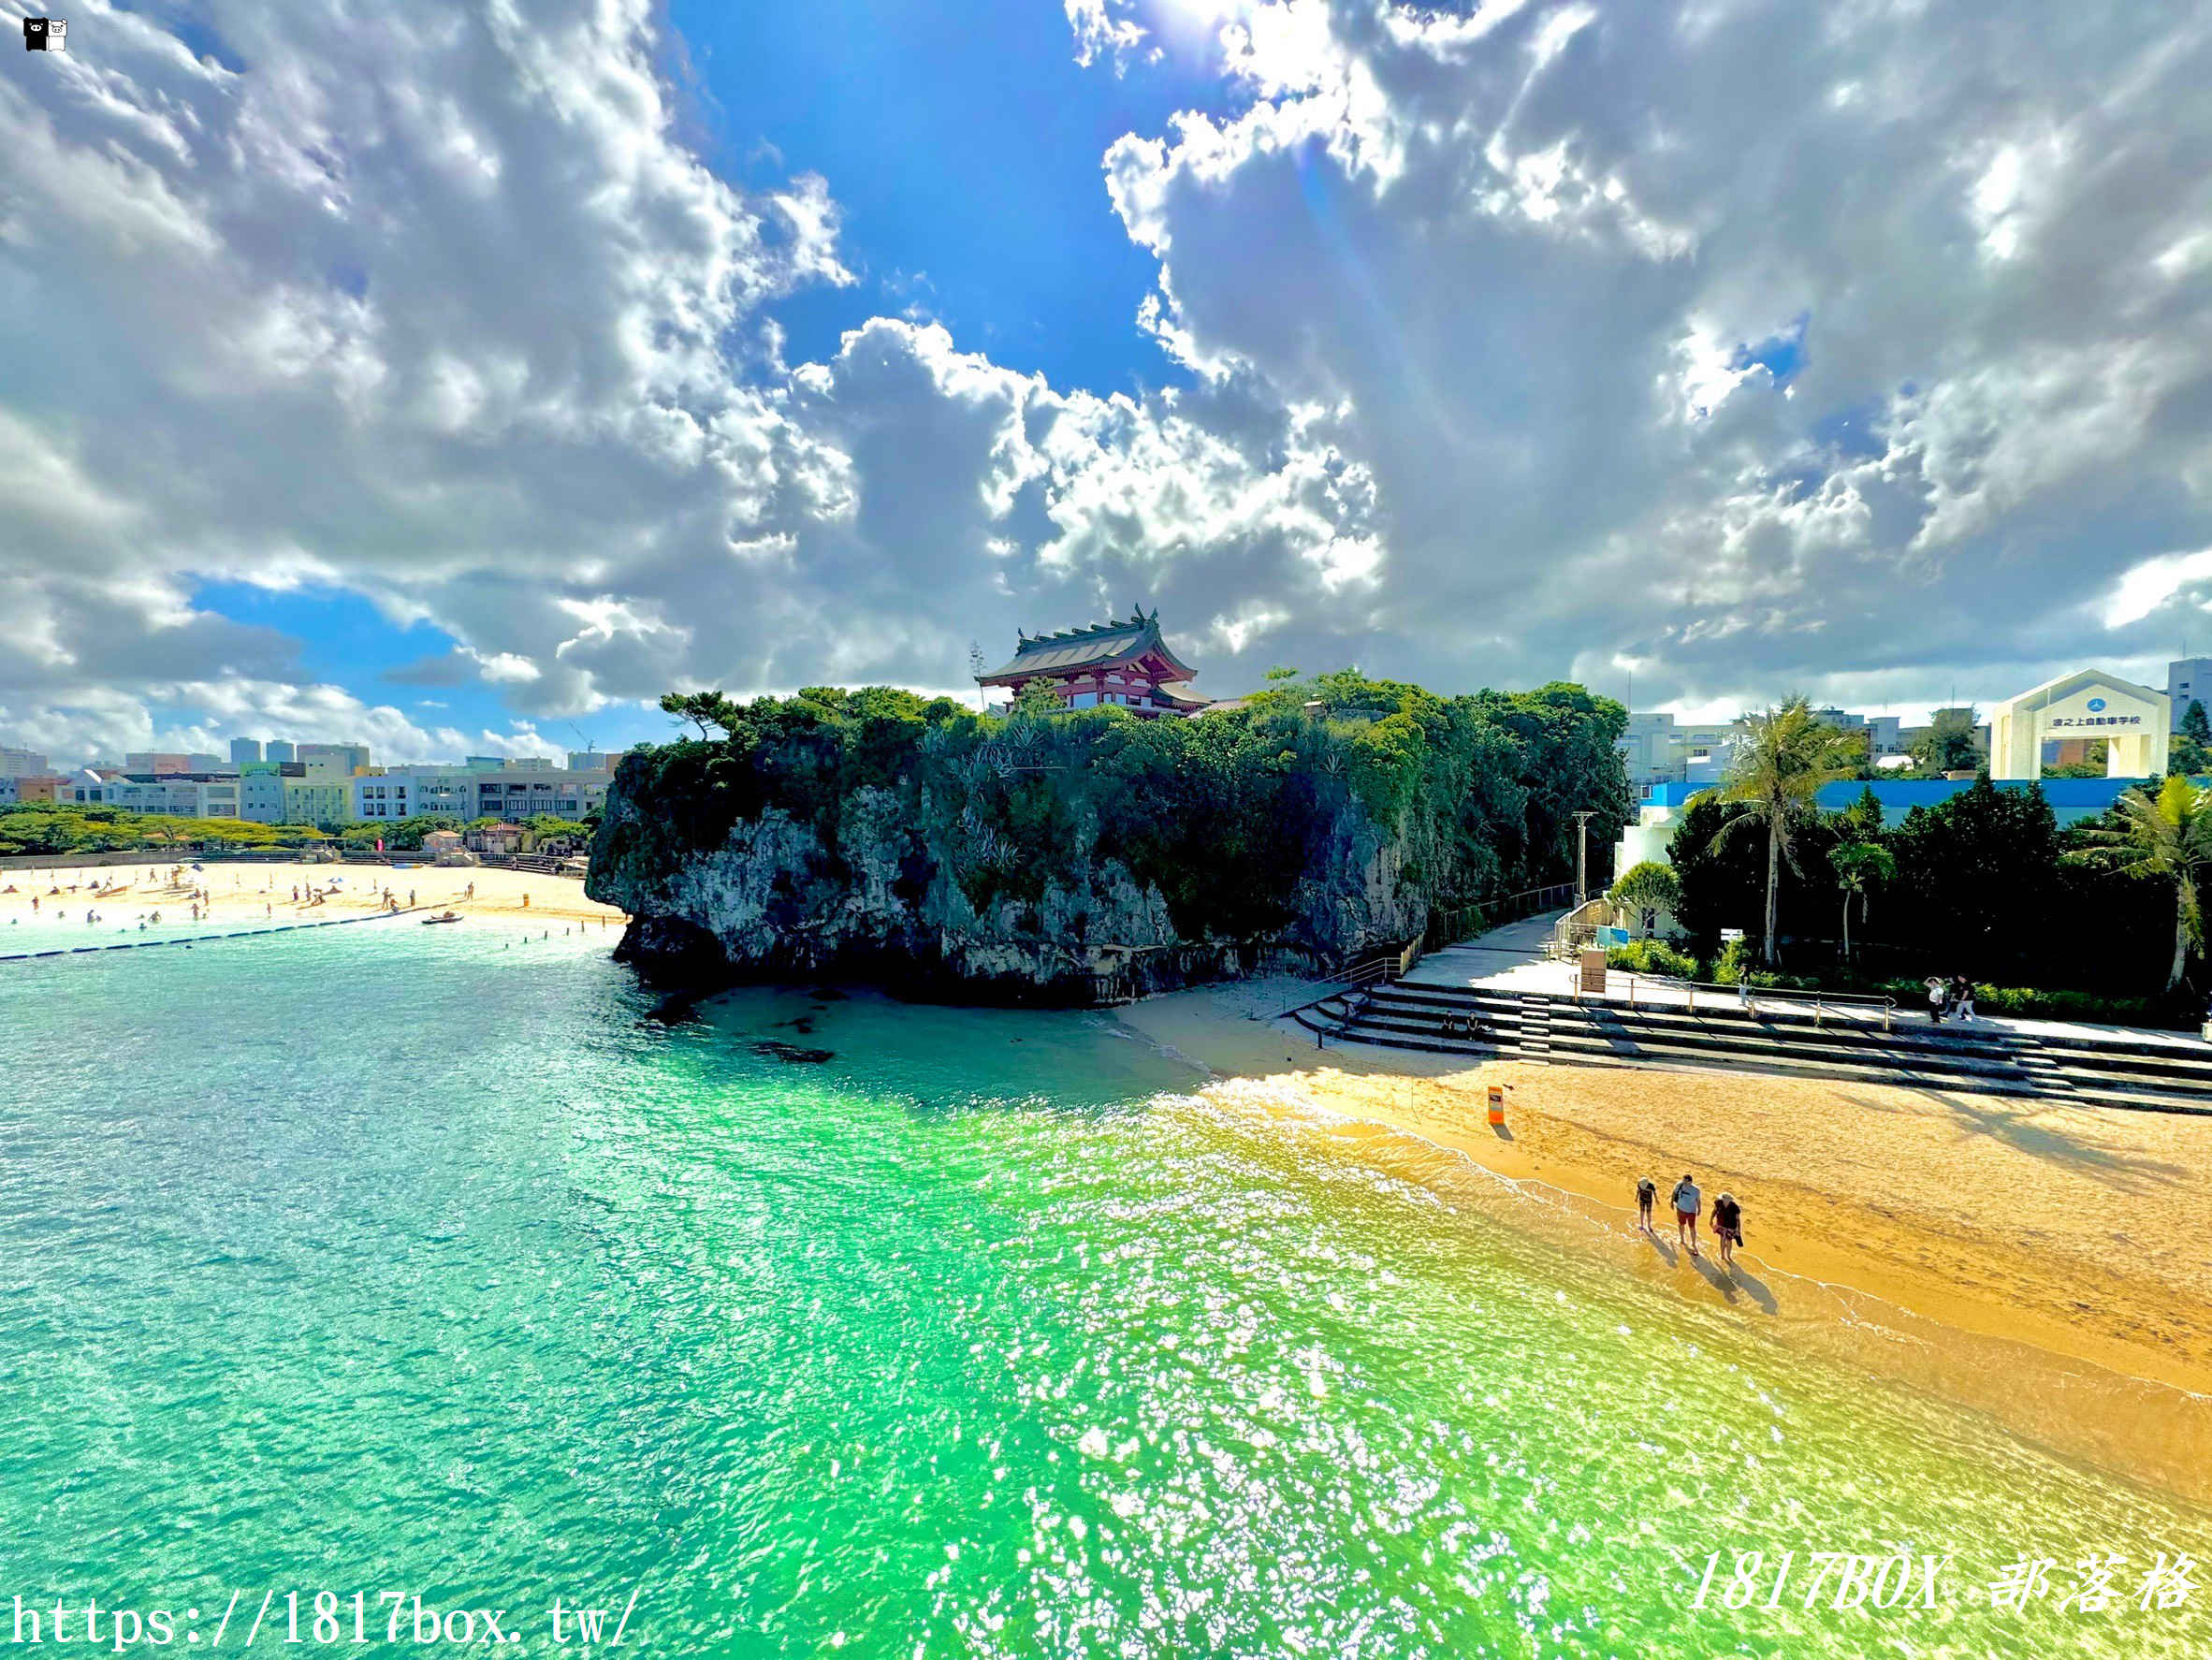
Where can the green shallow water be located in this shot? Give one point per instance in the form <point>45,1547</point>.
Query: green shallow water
<point>391,1259</point>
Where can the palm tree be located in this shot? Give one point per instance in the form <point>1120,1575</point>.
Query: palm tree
<point>1860,866</point>
<point>2169,835</point>
<point>1777,769</point>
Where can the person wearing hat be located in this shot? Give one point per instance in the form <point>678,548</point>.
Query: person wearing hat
<point>1727,1226</point>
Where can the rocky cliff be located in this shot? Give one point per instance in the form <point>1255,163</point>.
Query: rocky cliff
<point>775,901</point>
<point>1068,859</point>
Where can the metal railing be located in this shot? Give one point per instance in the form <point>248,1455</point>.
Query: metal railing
<point>1375,970</point>
<point>1449,925</point>
<point>1748,998</point>
<point>1186,962</point>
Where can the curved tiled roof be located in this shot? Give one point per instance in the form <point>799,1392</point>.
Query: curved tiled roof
<point>1102,643</point>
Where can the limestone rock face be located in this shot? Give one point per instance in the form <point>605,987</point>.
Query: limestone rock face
<point>882,900</point>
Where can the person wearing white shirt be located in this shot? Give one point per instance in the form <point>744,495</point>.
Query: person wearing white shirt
<point>1688,1201</point>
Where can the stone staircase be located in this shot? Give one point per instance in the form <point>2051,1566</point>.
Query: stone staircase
<point>2095,1068</point>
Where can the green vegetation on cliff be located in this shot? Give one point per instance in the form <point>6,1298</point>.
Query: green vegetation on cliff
<point>1323,814</point>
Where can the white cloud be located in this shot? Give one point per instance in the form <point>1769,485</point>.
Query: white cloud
<point>2145,587</point>
<point>469,331</point>
<point>1534,257</point>
<point>1492,318</point>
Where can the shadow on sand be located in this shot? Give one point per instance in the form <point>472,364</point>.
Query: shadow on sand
<point>2007,1121</point>
<point>1750,1285</point>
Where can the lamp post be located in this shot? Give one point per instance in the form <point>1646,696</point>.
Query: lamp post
<point>1582,858</point>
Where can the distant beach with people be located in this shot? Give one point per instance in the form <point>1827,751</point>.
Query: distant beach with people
<point>98,904</point>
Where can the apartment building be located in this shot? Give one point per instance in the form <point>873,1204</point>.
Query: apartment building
<point>518,791</point>
<point>261,789</point>
<point>316,801</point>
<point>187,795</point>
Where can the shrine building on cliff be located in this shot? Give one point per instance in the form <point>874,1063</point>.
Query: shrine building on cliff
<point>1122,663</point>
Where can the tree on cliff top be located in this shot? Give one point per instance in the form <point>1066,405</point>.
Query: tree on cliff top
<point>703,709</point>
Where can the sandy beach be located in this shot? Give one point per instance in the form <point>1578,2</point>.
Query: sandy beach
<point>2051,1265</point>
<point>255,894</point>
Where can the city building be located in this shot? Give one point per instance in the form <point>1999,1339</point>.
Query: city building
<point>1647,749</point>
<point>278,749</point>
<point>516,789</point>
<point>407,791</point>
<point>1124,664</point>
<point>243,749</point>
<point>344,761</point>
<point>595,760</point>
<point>23,764</point>
<point>156,763</point>
<point>1659,750</point>
<point>261,788</point>
<point>315,800</point>
<point>46,787</point>
<point>2188,680</point>
<point>185,796</point>
<point>542,791</point>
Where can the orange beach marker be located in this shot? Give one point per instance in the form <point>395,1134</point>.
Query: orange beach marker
<point>1497,1106</point>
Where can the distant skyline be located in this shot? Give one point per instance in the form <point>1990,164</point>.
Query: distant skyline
<point>460,384</point>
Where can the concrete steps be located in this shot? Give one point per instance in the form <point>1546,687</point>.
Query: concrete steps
<point>2093,1068</point>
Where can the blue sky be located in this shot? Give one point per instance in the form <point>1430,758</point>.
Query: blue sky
<point>966,162</point>
<point>967,167</point>
<point>458,380</point>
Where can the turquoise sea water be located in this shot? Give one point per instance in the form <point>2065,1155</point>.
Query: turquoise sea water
<point>389,1258</point>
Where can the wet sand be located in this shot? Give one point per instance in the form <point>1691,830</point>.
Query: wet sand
<point>2049,1263</point>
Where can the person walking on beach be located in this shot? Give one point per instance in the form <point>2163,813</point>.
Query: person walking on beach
<point>1727,1226</point>
<point>1688,1201</point>
<point>1647,1194</point>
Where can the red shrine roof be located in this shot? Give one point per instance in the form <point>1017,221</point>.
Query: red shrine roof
<point>1103,645</point>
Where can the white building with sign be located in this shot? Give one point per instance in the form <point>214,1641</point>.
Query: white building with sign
<point>2134,720</point>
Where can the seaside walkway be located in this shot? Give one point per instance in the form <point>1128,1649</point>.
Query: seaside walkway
<point>1499,996</point>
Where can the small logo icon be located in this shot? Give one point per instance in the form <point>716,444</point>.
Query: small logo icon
<point>2096,705</point>
<point>45,34</point>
